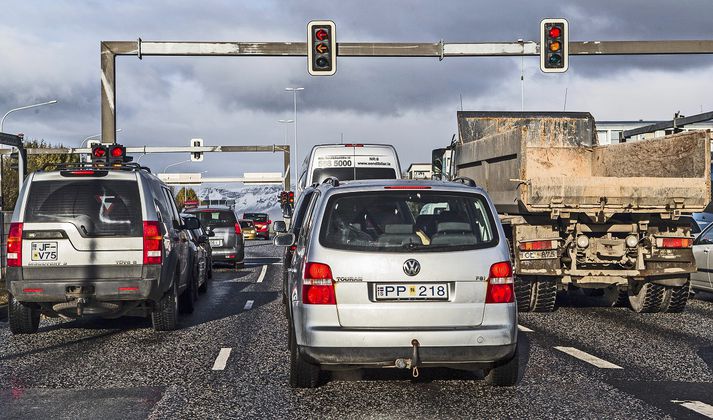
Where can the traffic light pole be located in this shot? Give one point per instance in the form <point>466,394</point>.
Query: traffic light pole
<point>441,50</point>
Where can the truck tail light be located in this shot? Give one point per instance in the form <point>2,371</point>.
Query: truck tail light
<point>14,245</point>
<point>674,242</point>
<point>317,285</point>
<point>238,231</point>
<point>539,245</point>
<point>152,243</point>
<point>500,284</point>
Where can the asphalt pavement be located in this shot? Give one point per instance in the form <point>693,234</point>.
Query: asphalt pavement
<point>229,359</point>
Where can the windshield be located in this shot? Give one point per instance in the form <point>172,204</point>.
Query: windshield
<point>258,217</point>
<point>408,221</point>
<point>246,224</point>
<point>216,218</point>
<point>350,174</point>
<point>96,207</point>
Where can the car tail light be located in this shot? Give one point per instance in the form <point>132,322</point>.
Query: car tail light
<point>152,243</point>
<point>238,231</point>
<point>318,286</point>
<point>500,284</point>
<point>129,289</point>
<point>407,187</point>
<point>33,290</point>
<point>538,245</point>
<point>353,145</point>
<point>674,242</point>
<point>14,245</point>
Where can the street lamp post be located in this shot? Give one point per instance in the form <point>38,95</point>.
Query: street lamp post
<point>174,164</point>
<point>294,91</point>
<point>286,122</point>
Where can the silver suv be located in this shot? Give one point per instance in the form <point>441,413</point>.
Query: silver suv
<point>403,274</point>
<point>98,241</point>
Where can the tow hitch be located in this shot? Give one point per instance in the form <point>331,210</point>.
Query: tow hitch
<point>411,363</point>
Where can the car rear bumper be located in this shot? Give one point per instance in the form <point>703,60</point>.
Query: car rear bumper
<point>236,254</point>
<point>52,291</point>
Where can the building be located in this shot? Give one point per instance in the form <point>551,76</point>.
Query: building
<point>608,131</point>
<point>419,171</point>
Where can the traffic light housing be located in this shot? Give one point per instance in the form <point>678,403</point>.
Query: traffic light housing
<point>291,198</point>
<point>321,48</point>
<point>197,156</point>
<point>116,154</point>
<point>554,45</point>
<point>99,154</point>
<point>283,197</point>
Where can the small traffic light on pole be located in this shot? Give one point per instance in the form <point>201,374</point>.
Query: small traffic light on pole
<point>554,45</point>
<point>321,48</point>
<point>292,197</point>
<point>196,156</point>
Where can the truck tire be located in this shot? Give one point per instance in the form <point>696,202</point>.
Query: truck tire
<point>648,299</point>
<point>23,319</point>
<point>675,298</point>
<point>165,315</point>
<point>544,295</point>
<point>504,374</point>
<point>302,373</point>
<point>523,293</point>
<point>622,300</point>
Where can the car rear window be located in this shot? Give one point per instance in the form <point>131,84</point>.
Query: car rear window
<point>350,174</point>
<point>97,207</point>
<point>408,221</point>
<point>258,217</point>
<point>246,224</point>
<point>216,218</point>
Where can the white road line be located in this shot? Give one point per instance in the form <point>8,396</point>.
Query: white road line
<point>222,358</point>
<point>586,357</point>
<point>249,304</point>
<point>697,406</point>
<point>524,329</point>
<point>261,277</point>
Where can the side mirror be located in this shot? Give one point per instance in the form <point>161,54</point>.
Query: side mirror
<point>191,223</point>
<point>284,239</point>
<point>209,233</point>
<point>280,227</point>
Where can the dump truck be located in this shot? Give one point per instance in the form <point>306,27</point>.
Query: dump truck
<point>579,215</point>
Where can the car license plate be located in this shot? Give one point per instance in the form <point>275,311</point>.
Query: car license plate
<point>216,242</point>
<point>44,251</point>
<point>538,255</point>
<point>417,291</point>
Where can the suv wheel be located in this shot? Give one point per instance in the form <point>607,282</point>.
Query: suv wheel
<point>302,373</point>
<point>164,317</point>
<point>504,373</point>
<point>23,319</point>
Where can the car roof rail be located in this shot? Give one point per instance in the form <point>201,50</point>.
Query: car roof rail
<point>331,180</point>
<point>65,166</point>
<point>465,181</point>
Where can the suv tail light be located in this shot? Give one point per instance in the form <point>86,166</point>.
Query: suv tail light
<point>500,284</point>
<point>538,245</point>
<point>238,231</point>
<point>14,245</point>
<point>674,242</point>
<point>152,243</point>
<point>318,286</point>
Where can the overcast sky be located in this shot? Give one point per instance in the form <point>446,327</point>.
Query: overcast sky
<point>50,50</point>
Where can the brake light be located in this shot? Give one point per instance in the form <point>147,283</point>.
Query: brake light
<point>152,243</point>
<point>317,285</point>
<point>500,284</point>
<point>14,245</point>
<point>33,290</point>
<point>129,289</point>
<point>353,145</point>
<point>82,172</point>
<point>674,242</point>
<point>538,245</point>
<point>238,231</point>
<point>407,187</point>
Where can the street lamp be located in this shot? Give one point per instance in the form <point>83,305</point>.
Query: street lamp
<point>2,121</point>
<point>294,91</point>
<point>174,164</point>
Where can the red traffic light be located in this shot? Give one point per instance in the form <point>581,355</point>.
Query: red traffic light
<point>117,152</point>
<point>555,32</point>
<point>99,151</point>
<point>292,197</point>
<point>321,34</point>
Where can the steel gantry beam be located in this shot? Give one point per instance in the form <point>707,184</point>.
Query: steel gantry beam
<point>441,50</point>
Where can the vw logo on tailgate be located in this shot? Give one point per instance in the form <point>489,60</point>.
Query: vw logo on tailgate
<point>411,267</point>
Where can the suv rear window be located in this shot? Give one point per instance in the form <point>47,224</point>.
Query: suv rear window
<point>96,207</point>
<point>216,218</point>
<point>350,174</point>
<point>408,221</point>
<point>258,217</point>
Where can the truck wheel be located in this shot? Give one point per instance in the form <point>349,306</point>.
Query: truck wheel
<point>544,295</point>
<point>302,373</point>
<point>23,319</point>
<point>164,317</point>
<point>675,298</point>
<point>648,299</point>
<point>523,293</point>
<point>504,374</point>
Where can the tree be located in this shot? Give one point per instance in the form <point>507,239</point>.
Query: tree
<point>185,194</point>
<point>35,162</point>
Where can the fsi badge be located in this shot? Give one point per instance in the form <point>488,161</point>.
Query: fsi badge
<point>44,251</point>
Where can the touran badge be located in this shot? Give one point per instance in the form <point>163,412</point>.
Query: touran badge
<point>411,267</point>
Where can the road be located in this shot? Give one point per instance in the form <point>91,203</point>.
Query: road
<point>229,360</point>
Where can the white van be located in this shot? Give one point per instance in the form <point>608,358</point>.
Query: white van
<point>349,162</point>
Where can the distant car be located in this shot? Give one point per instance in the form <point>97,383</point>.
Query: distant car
<point>703,253</point>
<point>227,242</point>
<point>262,223</point>
<point>248,227</point>
<point>374,284</point>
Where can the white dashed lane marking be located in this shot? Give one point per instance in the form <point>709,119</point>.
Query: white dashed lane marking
<point>261,277</point>
<point>249,304</point>
<point>222,358</point>
<point>697,406</point>
<point>586,357</point>
<point>524,329</point>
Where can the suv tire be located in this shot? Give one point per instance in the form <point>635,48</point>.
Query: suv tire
<point>302,373</point>
<point>504,373</point>
<point>23,319</point>
<point>165,315</point>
